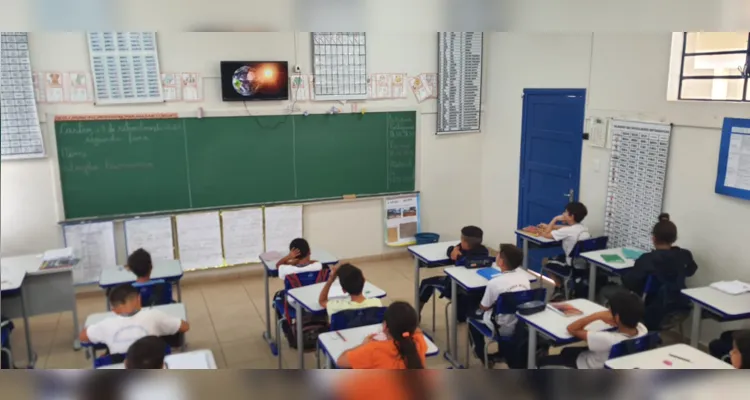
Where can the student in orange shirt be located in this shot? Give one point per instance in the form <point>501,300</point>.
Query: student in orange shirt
<point>401,346</point>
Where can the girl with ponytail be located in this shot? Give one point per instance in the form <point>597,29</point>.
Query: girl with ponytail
<point>400,346</point>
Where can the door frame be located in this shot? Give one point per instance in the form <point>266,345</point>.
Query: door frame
<point>522,164</point>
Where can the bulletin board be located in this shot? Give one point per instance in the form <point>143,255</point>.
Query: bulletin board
<point>733,176</point>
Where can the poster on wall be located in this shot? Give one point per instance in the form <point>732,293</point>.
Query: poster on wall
<point>401,219</point>
<point>733,177</point>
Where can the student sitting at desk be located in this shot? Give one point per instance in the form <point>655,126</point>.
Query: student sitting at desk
<point>147,352</point>
<point>509,259</point>
<point>740,354</point>
<point>401,345</point>
<point>140,264</point>
<point>130,323</point>
<point>470,246</point>
<point>669,266</point>
<point>569,234</point>
<point>352,282</point>
<point>625,310</point>
<point>298,259</point>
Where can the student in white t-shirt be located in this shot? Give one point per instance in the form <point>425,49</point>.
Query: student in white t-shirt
<point>508,260</point>
<point>567,229</point>
<point>298,260</point>
<point>625,312</point>
<point>130,323</point>
<point>353,283</point>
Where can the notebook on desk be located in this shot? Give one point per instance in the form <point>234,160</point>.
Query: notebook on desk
<point>731,287</point>
<point>489,273</point>
<point>192,360</point>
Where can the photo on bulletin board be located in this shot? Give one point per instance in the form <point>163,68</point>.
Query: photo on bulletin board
<point>401,220</point>
<point>733,176</point>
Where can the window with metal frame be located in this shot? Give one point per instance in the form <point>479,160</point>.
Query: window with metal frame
<point>715,66</point>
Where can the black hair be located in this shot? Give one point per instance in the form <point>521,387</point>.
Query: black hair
<point>402,321</point>
<point>511,255</point>
<point>301,245</point>
<point>122,293</point>
<point>742,342</point>
<point>473,235</point>
<point>628,306</point>
<point>351,278</point>
<point>665,231</point>
<point>140,263</point>
<point>577,210</point>
<point>146,353</point>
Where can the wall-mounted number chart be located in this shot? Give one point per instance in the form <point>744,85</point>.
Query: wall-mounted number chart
<point>459,81</point>
<point>637,175</point>
<point>339,65</point>
<point>20,134</point>
<point>125,66</point>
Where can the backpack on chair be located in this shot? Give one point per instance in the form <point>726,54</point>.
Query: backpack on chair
<point>312,325</point>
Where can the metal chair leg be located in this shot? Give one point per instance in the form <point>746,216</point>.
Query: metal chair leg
<point>278,340</point>
<point>11,364</point>
<point>434,303</point>
<point>541,277</point>
<point>447,325</point>
<point>486,354</point>
<point>317,354</point>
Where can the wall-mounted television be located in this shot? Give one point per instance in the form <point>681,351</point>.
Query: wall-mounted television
<point>254,80</point>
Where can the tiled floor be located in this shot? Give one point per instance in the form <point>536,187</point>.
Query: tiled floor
<point>227,317</point>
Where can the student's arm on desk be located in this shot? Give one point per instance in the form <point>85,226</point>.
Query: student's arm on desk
<point>547,229</point>
<point>289,259</point>
<point>323,298</point>
<point>578,328</point>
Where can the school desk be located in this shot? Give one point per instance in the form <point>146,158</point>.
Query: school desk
<point>470,281</point>
<point>12,286</point>
<point>168,270</point>
<point>307,297</point>
<point>677,356</point>
<point>429,255</point>
<point>334,344</point>
<point>540,241</point>
<point>554,326</point>
<point>46,291</point>
<point>197,359</point>
<point>725,307</point>
<point>269,271</point>
<point>596,260</point>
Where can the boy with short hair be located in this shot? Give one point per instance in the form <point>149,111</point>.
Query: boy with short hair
<point>470,246</point>
<point>352,282</point>
<point>508,260</point>
<point>567,229</point>
<point>130,323</point>
<point>625,312</point>
<point>140,264</point>
<point>147,352</point>
<point>298,260</point>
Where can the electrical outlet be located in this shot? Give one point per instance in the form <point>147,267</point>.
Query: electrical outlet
<point>297,69</point>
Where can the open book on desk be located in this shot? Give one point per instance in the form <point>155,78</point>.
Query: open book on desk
<point>59,258</point>
<point>564,309</point>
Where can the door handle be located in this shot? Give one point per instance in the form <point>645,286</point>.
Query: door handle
<point>570,195</point>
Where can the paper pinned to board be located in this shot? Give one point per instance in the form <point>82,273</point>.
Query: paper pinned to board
<point>199,240</point>
<point>242,235</point>
<point>152,234</point>
<point>283,224</point>
<point>94,245</point>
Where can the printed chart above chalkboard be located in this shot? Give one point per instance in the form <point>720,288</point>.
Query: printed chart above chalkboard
<point>116,167</point>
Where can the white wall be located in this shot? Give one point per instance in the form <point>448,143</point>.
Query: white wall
<point>31,206</point>
<point>625,76</point>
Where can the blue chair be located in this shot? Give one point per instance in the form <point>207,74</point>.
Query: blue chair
<point>583,246</point>
<point>280,304</point>
<point>5,330</point>
<point>646,342</point>
<point>506,304</point>
<point>154,292</point>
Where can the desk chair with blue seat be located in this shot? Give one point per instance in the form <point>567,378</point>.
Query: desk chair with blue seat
<point>568,274</point>
<point>663,311</point>
<point>506,304</point>
<point>628,347</point>
<point>155,292</point>
<point>6,328</point>
<point>287,314</point>
<point>356,318</point>
<point>108,358</point>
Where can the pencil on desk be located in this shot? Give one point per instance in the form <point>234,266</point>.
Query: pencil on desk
<point>341,336</point>
<point>679,358</point>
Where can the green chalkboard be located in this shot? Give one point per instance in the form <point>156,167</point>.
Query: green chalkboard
<point>131,167</point>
